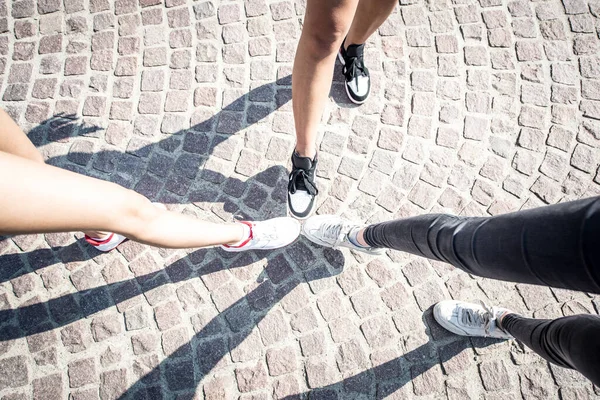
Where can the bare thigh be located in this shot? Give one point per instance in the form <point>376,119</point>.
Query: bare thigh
<point>39,198</point>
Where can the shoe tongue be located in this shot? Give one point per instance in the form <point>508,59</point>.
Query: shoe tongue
<point>302,162</point>
<point>355,50</point>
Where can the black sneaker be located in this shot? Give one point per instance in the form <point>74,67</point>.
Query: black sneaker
<point>301,187</point>
<point>358,80</point>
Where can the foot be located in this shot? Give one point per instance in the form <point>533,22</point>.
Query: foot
<point>358,80</point>
<point>333,231</point>
<point>267,235</point>
<point>108,243</point>
<point>468,319</point>
<point>302,190</point>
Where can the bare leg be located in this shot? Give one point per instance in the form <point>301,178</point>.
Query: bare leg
<point>325,25</point>
<point>39,198</point>
<point>369,16</point>
<point>360,238</point>
<point>14,141</point>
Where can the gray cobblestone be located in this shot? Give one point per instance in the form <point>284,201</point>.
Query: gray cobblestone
<point>16,372</point>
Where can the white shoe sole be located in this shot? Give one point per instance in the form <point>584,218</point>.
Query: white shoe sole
<point>310,213</point>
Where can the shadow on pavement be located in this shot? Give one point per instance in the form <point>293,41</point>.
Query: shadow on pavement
<point>168,171</point>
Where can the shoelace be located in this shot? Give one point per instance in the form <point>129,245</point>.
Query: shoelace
<point>354,67</point>
<point>335,232</point>
<point>478,318</point>
<point>300,180</point>
<point>261,234</point>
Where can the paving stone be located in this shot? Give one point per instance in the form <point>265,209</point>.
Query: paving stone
<point>24,29</point>
<point>494,18</point>
<point>585,45</point>
<point>48,387</point>
<point>494,375</point>
<point>426,379</point>
<point>113,384</point>
<point>76,337</point>
<point>584,158</point>
<point>418,37</point>
<point>536,383</point>
<point>589,67</point>
<point>281,361</point>
<point>379,332</point>
<point>351,356</point>
<point>167,315</point>
<point>251,378</point>
<point>178,18</point>
<point>319,373</point>
<point>82,372</point>
<point>16,372</point>
<point>273,329</point>
<point>144,343</point>
<point>227,14</point>
<point>105,327</point>
<point>476,55</point>
<point>176,342</point>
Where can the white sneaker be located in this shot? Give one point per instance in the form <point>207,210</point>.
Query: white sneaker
<point>468,319</point>
<point>106,244</point>
<point>302,189</point>
<point>267,235</point>
<point>332,231</point>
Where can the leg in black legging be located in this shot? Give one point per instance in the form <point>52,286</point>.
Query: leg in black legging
<point>557,246</point>
<point>570,342</point>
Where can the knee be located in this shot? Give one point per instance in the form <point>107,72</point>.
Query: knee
<point>137,215</point>
<point>323,42</point>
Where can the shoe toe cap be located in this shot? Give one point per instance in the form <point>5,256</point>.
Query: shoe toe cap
<point>444,312</point>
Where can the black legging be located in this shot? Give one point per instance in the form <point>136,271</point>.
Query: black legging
<point>557,246</point>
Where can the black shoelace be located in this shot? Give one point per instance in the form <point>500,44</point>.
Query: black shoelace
<point>300,180</point>
<point>354,67</point>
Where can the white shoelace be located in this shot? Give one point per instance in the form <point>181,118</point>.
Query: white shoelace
<point>476,318</point>
<point>260,233</point>
<point>335,232</point>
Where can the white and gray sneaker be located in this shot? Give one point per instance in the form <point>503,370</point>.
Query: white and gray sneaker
<point>267,235</point>
<point>302,189</point>
<point>333,231</point>
<point>468,319</point>
<point>358,79</point>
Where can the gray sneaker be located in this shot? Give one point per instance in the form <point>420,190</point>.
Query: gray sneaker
<point>468,319</point>
<point>332,231</point>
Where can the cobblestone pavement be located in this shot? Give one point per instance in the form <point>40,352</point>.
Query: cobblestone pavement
<point>477,108</point>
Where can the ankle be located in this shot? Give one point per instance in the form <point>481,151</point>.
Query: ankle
<point>97,235</point>
<point>355,237</point>
<point>360,238</point>
<point>350,42</point>
<point>501,318</point>
<point>242,234</point>
<point>309,152</point>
